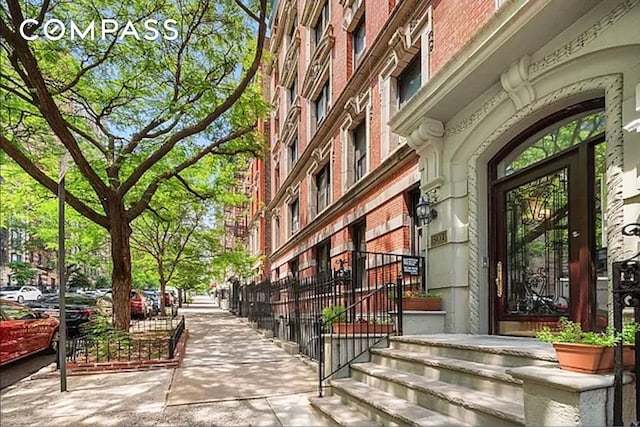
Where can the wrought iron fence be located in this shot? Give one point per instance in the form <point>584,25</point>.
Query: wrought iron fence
<point>357,328</point>
<point>626,293</point>
<point>146,340</point>
<point>292,308</point>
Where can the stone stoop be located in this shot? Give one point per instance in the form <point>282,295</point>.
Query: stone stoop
<point>436,380</point>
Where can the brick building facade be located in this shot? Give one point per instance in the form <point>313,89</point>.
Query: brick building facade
<point>379,103</point>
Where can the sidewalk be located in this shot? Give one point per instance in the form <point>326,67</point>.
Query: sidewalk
<point>230,375</point>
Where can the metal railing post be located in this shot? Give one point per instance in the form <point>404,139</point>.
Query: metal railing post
<point>399,291</point>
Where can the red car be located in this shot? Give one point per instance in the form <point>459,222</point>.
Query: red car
<point>24,331</point>
<point>141,305</point>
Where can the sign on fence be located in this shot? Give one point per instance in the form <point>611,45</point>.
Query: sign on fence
<point>410,266</point>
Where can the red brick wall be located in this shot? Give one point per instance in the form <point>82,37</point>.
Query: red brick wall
<point>454,23</point>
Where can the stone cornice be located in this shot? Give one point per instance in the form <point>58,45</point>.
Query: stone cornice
<point>310,11</point>
<point>373,59</point>
<point>285,15</point>
<point>319,61</point>
<point>290,63</point>
<point>291,121</point>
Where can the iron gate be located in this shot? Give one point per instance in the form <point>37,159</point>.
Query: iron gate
<point>626,293</point>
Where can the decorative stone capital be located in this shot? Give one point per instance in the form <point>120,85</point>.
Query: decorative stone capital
<point>427,141</point>
<point>428,134</point>
<point>515,81</point>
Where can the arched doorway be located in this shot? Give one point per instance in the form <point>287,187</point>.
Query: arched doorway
<point>548,242</point>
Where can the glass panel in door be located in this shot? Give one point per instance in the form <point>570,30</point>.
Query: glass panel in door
<point>537,248</point>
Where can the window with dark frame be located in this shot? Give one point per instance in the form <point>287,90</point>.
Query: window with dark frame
<point>294,267</point>
<point>293,153</point>
<point>293,28</point>
<point>359,41</point>
<point>276,232</point>
<point>321,23</point>
<point>410,80</point>
<point>276,177</point>
<point>323,257</point>
<point>359,152</point>
<point>321,103</point>
<point>322,188</point>
<point>294,215</point>
<point>293,90</point>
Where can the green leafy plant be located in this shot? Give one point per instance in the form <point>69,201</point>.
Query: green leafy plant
<point>629,333</point>
<point>106,337</point>
<point>571,332</point>
<point>334,314</point>
<point>418,294</point>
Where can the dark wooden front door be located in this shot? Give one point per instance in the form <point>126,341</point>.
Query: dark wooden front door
<point>547,236</point>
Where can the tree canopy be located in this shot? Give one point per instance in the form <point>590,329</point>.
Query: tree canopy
<point>132,113</point>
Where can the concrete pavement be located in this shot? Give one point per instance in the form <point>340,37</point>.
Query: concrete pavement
<point>231,375</point>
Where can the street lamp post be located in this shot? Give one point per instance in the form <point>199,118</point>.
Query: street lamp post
<point>426,214</point>
<point>62,329</point>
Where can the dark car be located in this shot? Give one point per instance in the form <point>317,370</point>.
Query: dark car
<point>24,331</point>
<point>79,310</point>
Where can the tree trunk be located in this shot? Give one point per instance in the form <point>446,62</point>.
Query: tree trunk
<point>163,289</point>
<point>121,279</point>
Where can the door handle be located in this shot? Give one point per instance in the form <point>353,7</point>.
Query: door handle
<point>499,279</point>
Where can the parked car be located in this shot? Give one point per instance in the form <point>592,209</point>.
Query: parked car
<point>24,331</point>
<point>171,303</point>
<point>21,294</point>
<point>79,309</point>
<point>141,305</point>
<point>155,301</point>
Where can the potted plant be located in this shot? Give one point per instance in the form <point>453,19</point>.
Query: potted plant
<point>334,314</point>
<point>629,344</point>
<point>421,301</point>
<point>363,326</point>
<point>580,351</point>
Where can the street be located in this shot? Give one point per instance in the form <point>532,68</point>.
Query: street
<point>15,371</point>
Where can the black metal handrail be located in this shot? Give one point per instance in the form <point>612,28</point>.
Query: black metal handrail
<point>626,293</point>
<point>367,322</point>
<point>174,339</point>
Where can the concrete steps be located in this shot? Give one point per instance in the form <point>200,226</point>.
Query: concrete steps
<point>469,406</point>
<point>332,408</point>
<point>487,349</point>
<point>437,380</point>
<point>385,408</point>
<point>474,375</point>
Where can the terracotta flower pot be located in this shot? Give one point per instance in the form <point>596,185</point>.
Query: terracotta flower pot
<point>628,356</point>
<point>421,304</point>
<point>362,328</point>
<point>584,358</point>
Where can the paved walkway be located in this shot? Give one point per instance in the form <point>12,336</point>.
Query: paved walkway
<point>231,375</point>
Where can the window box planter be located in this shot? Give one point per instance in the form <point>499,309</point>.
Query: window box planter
<point>421,304</point>
<point>362,328</point>
<point>628,356</point>
<point>584,358</point>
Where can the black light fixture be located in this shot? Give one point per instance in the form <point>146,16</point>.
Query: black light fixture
<point>425,212</point>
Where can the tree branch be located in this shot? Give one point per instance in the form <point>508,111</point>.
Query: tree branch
<point>159,154</point>
<point>47,106</point>
<point>151,189</point>
<point>29,167</point>
<point>247,10</point>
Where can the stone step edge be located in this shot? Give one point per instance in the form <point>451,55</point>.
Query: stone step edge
<point>342,385</point>
<point>467,403</point>
<point>460,365</point>
<point>491,350</point>
<point>327,407</point>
